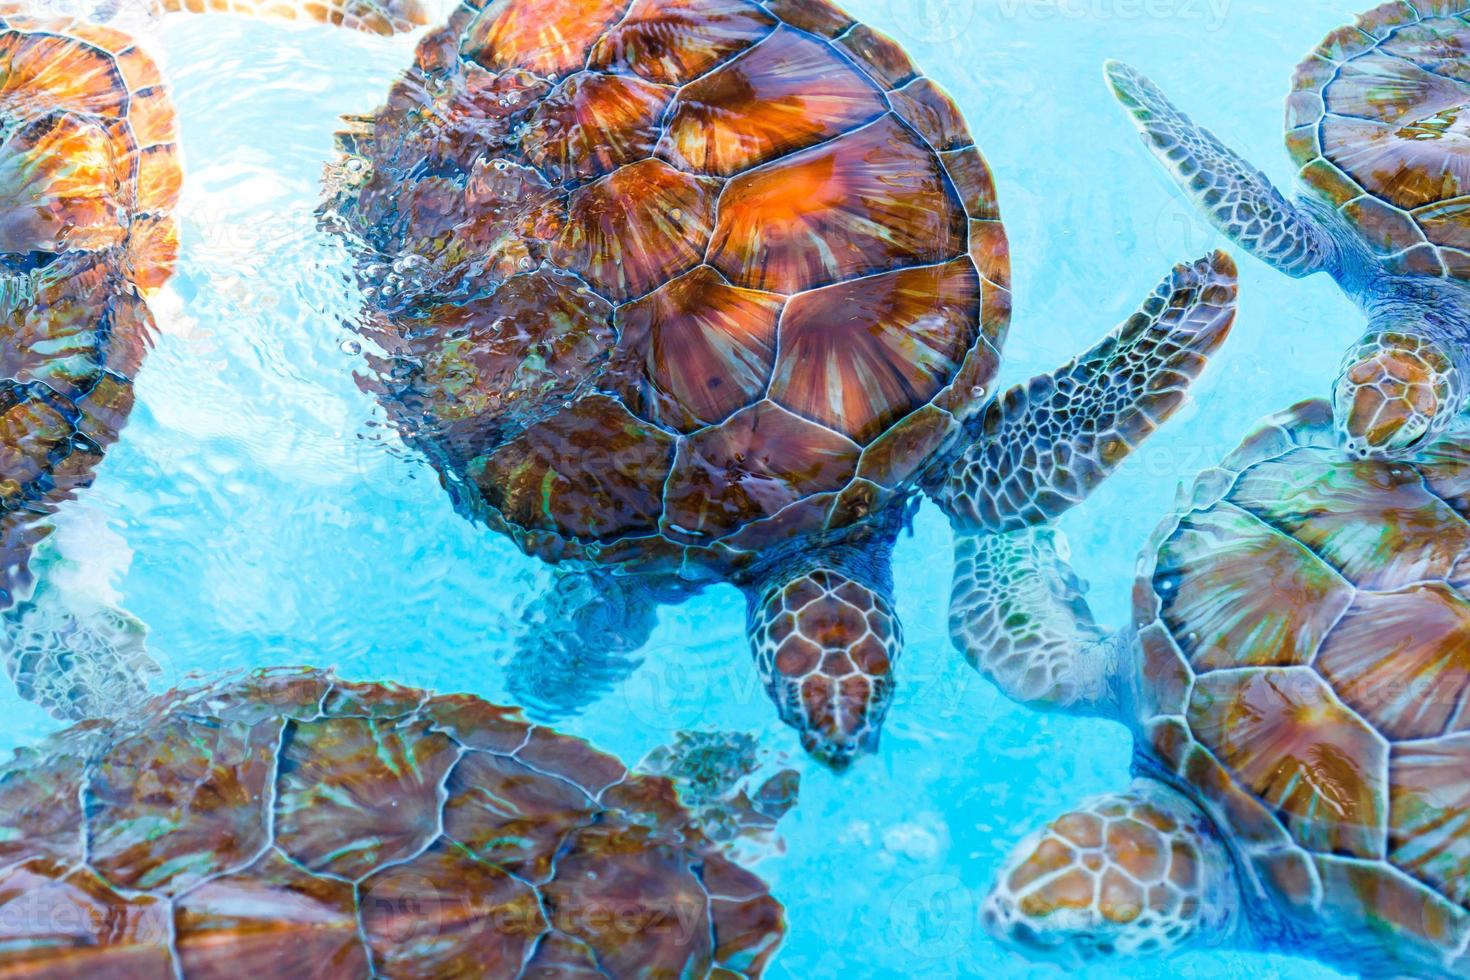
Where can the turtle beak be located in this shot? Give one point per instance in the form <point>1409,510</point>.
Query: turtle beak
<point>837,751</point>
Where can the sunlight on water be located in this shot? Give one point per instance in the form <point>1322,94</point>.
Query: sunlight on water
<point>272,519</point>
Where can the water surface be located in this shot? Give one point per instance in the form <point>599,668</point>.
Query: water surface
<point>265,517</point>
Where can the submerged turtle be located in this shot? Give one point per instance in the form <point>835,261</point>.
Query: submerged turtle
<point>1297,680</point>
<point>712,770</point>
<point>89,177</point>
<point>294,825</point>
<point>1377,121</point>
<point>88,181</point>
<point>681,292</point>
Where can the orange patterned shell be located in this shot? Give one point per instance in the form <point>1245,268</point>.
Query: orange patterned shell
<point>92,161</point>
<point>773,252</point>
<point>1306,670</point>
<point>88,178</point>
<point>295,825</point>
<point>1379,122</point>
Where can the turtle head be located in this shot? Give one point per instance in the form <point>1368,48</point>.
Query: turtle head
<point>1140,872</point>
<point>1398,391</point>
<point>825,638</point>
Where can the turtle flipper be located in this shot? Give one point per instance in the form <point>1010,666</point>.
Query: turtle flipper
<point>1236,197</point>
<point>1110,851</point>
<point>68,646</point>
<point>1019,616</point>
<point>581,640</point>
<point>825,635</point>
<point>1044,446</point>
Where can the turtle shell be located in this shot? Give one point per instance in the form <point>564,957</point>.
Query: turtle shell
<point>1379,123</point>
<point>88,177</point>
<point>674,280</point>
<point>90,161</point>
<point>1305,642</point>
<point>292,825</point>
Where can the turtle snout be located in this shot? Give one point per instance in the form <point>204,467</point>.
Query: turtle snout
<point>838,751</point>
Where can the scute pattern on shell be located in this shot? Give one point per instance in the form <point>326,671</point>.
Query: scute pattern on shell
<point>88,179</point>
<point>1305,635</point>
<point>292,824</point>
<point>1379,123</point>
<point>1138,865</point>
<point>784,240</point>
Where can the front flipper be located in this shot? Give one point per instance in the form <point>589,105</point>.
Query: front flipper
<point>1136,873</point>
<point>1046,445</point>
<point>68,645</point>
<point>581,640</point>
<point>825,636</point>
<point>1237,198</point>
<point>1019,616</point>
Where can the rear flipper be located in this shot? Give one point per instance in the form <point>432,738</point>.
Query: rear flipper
<point>1142,872</point>
<point>825,635</point>
<point>581,640</point>
<point>69,647</point>
<point>1236,197</point>
<point>1017,612</point>
<point>1019,616</point>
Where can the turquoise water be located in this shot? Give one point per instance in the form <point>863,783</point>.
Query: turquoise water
<point>260,515</point>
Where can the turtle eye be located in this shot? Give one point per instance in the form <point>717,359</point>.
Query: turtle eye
<point>26,261</point>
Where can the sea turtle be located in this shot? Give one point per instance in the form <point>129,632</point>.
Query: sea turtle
<point>1297,681</point>
<point>712,771</point>
<point>1376,122</point>
<point>290,824</point>
<point>89,177</point>
<point>681,292</point>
